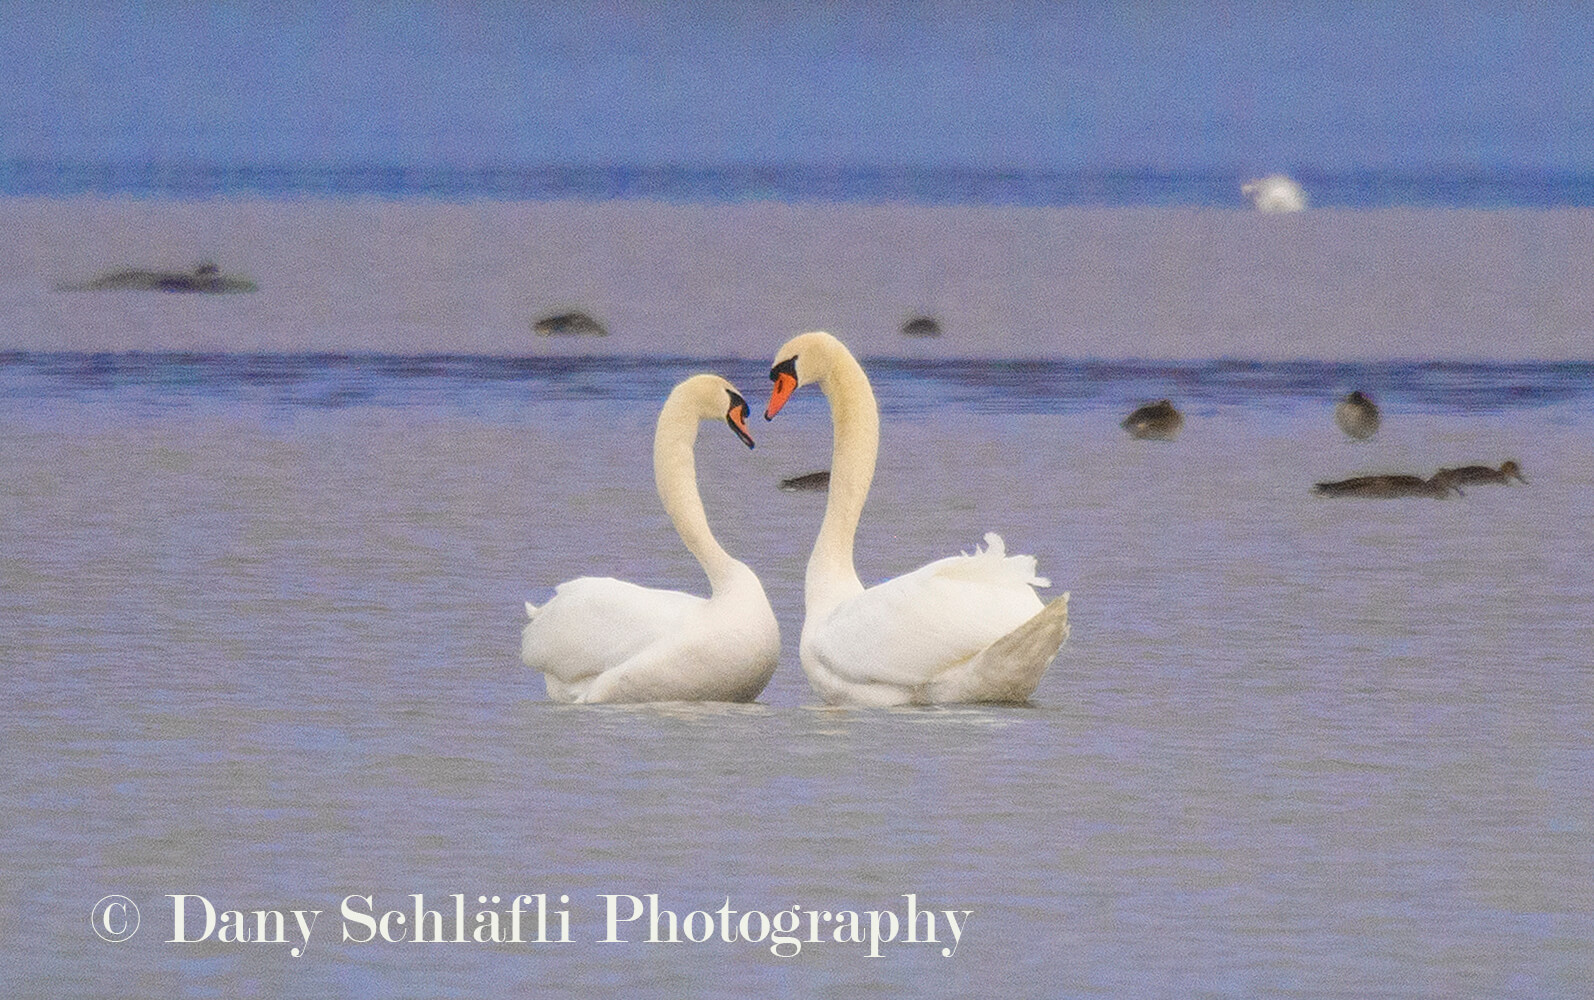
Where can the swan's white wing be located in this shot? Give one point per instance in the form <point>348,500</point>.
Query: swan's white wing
<point>907,630</point>
<point>594,623</point>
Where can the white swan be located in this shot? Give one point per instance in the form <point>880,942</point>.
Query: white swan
<point>968,628</point>
<point>604,640</point>
<point>1275,194</point>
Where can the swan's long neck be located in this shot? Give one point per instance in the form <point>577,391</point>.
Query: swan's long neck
<point>856,420</point>
<point>675,474</point>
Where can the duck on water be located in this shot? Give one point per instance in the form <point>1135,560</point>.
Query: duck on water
<point>1357,416</point>
<point>1474,474</point>
<point>1388,486</point>
<point>1440,484</point>
<point>1159,421</point>
<point>810,482</point>
<point>570,324</point>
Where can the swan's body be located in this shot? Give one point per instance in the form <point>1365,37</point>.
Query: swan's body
<point>1357,416</point>
<point>1275,193</point>
<point>968,628</point>
<point>600,639</point>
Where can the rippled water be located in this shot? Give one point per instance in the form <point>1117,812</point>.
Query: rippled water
<point>259,640</point>
<point>1217,187</point>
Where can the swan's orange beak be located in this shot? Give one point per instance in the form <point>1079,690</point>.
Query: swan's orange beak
<point>784,375</point>
<point>736,416</point>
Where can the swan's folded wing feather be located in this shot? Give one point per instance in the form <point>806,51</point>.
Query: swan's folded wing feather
<point>990,565</point>
<point>594,623</point>
<point>909,629</point>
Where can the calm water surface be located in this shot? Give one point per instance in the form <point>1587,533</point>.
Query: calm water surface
<point>258,627</point>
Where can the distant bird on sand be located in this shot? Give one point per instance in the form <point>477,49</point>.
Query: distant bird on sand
<point>1357,416</point>
<point>1275,194</point>
<point>204,279</point>
<point>813,482</point>
<point>1157,421</point>
<point>1469,474</point>
<point>1387,486</point>
<point>570,324</point>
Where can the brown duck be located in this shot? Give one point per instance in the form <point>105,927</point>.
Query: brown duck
<point>1469,474</point>
<point>1357,416</point>
<point>1387,486</point>
<point>1157,421</point>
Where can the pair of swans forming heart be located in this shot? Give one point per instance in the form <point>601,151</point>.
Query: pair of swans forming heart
<point>968,628</point>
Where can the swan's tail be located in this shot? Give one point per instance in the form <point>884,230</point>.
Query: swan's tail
<point>1009,669</point>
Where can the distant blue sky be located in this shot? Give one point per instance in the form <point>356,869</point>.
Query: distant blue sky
<point>1248,86</point>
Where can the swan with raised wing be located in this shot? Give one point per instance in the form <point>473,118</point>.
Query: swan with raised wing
<point>599,639</point>
<point>968,628</point>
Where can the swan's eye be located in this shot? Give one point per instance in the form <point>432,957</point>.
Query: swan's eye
<point>787,367</point>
